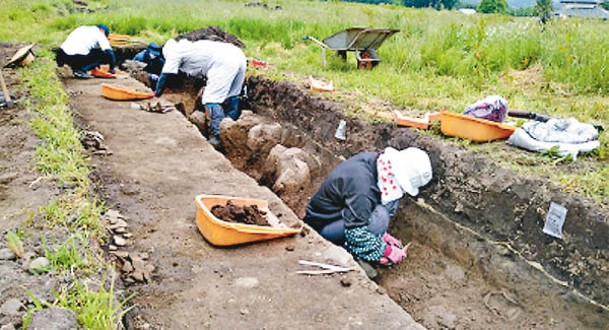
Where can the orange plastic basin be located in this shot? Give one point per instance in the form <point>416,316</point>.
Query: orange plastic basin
<point>102,74</point>
<point>119,93</point>
<point>475,129</point>
<point>222,233</point>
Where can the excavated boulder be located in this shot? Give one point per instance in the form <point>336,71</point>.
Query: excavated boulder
<point>287,170</point>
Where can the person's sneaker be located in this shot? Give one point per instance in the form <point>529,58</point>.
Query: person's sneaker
<point>82,75</point>
<point>368,268</point>
<point>214,141</point>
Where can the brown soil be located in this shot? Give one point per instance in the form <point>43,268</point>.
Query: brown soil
<point>212,33</point>
<point>479,259</point>
<point>159,162</point>
<point>249,215</point>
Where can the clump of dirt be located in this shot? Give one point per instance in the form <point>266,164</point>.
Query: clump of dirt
<point>249,215</point>
<point>212,33</point>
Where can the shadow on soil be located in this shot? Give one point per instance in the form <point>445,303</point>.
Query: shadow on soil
<point>479,257</point>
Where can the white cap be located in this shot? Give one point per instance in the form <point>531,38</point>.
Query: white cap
<point>413,169</point>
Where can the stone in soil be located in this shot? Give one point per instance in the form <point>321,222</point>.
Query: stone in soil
<point>7,254</point>
<point>39,265</point>
<point>250,215</point>
<point>54,319</point>
<point>11,307</point>
<point>247,282</point>
<point>119,241</point>
<point>8,326</point>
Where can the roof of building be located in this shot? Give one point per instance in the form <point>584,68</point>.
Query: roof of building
<point>585,11</point>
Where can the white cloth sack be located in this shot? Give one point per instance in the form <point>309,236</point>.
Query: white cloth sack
<point>569,135</point>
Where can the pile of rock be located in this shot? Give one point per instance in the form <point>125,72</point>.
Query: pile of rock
<point>134,266</point>
<point>117,225</point>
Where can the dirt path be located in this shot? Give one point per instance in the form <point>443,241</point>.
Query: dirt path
<point>159,164</point>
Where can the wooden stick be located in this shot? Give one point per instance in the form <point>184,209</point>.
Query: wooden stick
<point>7,96</point>
<point>324,266</point>
<point>322,272</point>
<point>405,248</point>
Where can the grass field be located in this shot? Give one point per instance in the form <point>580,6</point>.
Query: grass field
<point>439,60</point>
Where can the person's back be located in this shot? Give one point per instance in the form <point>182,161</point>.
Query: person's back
<point>83,39</point>
<point>356,175</point>
<point>196,58</point>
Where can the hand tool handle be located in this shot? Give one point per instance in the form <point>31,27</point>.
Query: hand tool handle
<point>7,96</point>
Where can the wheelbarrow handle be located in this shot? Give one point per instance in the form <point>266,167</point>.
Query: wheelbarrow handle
<point>321,44</point>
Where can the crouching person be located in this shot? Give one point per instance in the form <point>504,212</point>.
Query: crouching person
<point>86,48</point>
<point>353,206</point>
<point>224,66</point>
<point>152,56</point>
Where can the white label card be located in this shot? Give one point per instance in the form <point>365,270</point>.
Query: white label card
<point>555,220</point>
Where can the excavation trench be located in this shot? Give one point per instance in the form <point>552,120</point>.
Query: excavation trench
<point>479,258</point>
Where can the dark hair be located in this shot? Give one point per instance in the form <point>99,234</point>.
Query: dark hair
<point>105,28</point>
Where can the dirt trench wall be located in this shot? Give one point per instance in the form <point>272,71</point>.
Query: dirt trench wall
<point>469,189</point>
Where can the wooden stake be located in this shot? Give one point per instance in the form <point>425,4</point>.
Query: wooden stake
<point>7,96</point>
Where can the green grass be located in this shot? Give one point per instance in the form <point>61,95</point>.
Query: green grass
<point>61,158</point>
<point>95,308</point>
<point>69,255</point>
<point>439,60</point>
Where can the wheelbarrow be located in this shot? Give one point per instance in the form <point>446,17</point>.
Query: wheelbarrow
<point>363,41</point>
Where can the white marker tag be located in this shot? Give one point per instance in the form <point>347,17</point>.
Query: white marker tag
<point>555,220</point>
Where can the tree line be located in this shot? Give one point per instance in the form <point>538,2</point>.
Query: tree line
<point>542,7</point>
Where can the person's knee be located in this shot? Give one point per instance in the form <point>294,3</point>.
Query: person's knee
<point>232,107</point>
<point>215,114</point>
<point>379,220</point>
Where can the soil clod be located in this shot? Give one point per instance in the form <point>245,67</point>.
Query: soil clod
<point>250,215</point>
<point>212,33</point>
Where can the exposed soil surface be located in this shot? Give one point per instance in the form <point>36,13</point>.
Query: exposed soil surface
<point>159,163</point>
<point>468,188</point>
<point>230,212</point>
<point>212,33</point>
<point>479,259</point>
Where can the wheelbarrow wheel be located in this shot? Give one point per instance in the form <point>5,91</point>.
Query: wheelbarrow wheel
<point>369,60</point>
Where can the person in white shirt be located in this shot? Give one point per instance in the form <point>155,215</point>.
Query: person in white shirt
<point>86,48</point>
<point>222,63</point>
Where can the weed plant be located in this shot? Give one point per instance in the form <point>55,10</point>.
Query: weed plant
<point>95,308</point>
<point>61,158</point>
<point>439,60</point>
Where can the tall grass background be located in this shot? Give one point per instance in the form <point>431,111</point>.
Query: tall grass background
<point>438,60</point>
